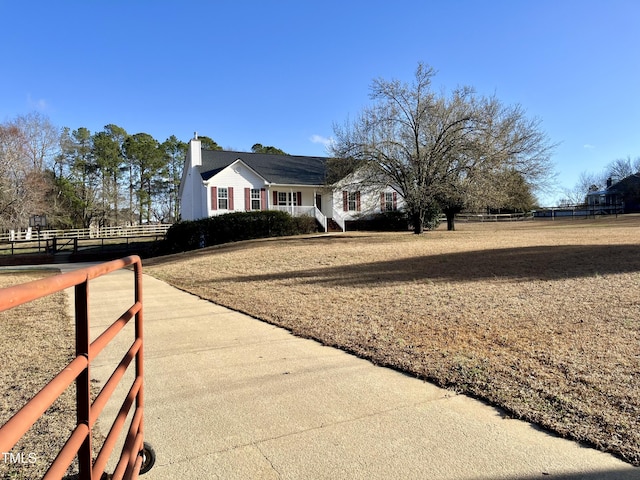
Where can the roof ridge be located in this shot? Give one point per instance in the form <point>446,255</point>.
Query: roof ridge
<point>266,154</point>
<point>274,168</point>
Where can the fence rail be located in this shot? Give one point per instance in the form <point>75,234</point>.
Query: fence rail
<point>53,241</point>
<point>92,232</point>
<point>131,460</point>
<point>491,217</point>
<point>579,211</point>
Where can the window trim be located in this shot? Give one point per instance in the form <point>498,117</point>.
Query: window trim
<point>352,201</point>
<point>255,196</point>
<point>288,199</point>
<point>223,198</point>
<point>389,202</point>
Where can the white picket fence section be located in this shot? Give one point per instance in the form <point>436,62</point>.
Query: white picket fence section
<point>490,217</point>
<point>92,232</point>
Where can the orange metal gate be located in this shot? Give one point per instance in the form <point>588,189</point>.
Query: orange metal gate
<point>136,456</point>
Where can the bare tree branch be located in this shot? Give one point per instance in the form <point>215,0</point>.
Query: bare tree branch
<point>449,151</point>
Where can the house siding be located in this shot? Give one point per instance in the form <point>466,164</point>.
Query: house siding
<point>199,190</point>
<point>193,196</point>
<point>305,196</point>
<point>237,178</point>
<point>368,201</point>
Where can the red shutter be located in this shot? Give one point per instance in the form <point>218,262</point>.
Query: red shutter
<point>382,202</point>
<point>345,201</point>
<point>247,199</point>
<point>214,198</point>
<point>230,190</point>
<point>357,201</point>
<point>275,198</point>
<point>395,200</point>
<point>263,199</point>
<point>299,199</point>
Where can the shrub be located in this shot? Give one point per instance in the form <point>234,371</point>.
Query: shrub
<point>233,227</point>
<point>432,217</point>
<point>381,222</point>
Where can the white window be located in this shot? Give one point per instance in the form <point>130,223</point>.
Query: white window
<point>353,202</point>
<point>350,201</point>
<point>389,204</point>
<point>255,199</point>
<point>288,198</point>
<point>223,199</point>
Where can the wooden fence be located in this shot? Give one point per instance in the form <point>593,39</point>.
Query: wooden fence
<point>32,234</point>
<point>52,241</point>
<point>492,217</point>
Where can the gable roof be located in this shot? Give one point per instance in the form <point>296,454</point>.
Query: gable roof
<point>630,183</point>
<point>277,169</point>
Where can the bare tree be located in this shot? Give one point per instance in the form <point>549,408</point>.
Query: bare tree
<point>442,150</point>
<point>622,168</point>
<point>592,182</point>
<point>41,139</point>
<point>11,172</point>
<point>587,182</point>
<point>25,149</point>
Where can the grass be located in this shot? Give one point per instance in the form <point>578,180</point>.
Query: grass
<point>541,318</point>
<point>37,342</point>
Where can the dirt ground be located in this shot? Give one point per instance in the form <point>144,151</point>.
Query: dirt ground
<point>541,318</point>
<point>37,342</point>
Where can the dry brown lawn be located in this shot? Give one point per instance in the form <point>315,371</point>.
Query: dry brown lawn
<point>541,318</point>
<point>37,342</point>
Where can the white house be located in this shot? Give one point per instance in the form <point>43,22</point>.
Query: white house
<point>215,182</point>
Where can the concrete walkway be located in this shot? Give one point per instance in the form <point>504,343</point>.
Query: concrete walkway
<point>230,397</point>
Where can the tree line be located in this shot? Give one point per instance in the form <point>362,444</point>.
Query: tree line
<point>79,178</point>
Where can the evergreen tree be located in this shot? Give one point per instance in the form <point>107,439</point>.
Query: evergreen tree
<point>145,159</point>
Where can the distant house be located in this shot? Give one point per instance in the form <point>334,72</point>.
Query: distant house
<point>620,197</point>
<point>215,182</point>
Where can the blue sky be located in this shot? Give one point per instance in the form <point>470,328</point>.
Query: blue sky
<point>282,73</point>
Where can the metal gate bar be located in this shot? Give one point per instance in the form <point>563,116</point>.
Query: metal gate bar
<point>78,370</point>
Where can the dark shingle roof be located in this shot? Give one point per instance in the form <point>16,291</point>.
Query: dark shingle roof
<point>624,185</point>
<point>278,169</point>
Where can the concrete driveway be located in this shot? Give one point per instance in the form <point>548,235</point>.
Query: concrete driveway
<point>231,397</point>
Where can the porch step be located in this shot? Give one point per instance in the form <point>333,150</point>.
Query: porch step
<point>332,226</point>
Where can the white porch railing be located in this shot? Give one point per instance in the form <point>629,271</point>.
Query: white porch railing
<point>339,219</point>
<point>321,218</point>
<point>294,210</point>
<point>298,211</point>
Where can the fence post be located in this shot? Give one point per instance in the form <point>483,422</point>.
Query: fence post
<point>139,320</point>
<point>83,382</point>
